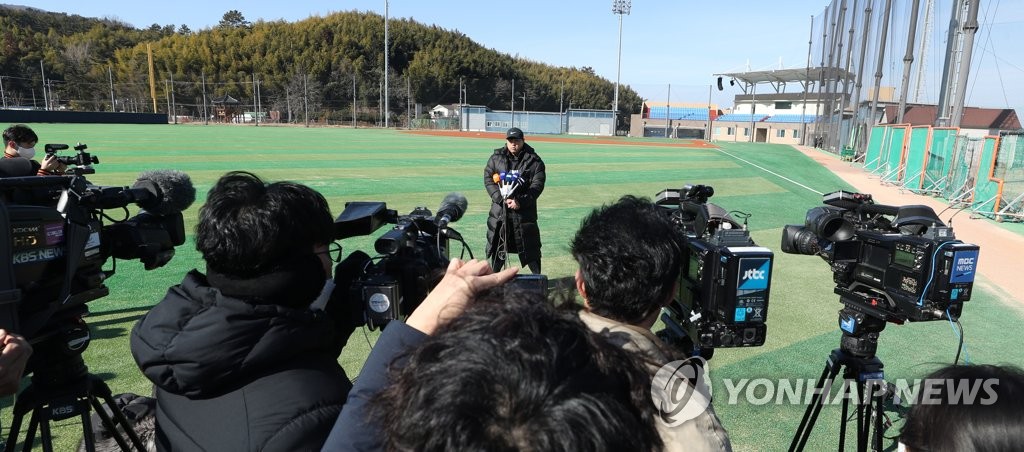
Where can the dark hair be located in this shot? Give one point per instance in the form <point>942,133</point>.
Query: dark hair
<point>628,253</point>
<point>248,227</point>
<point>948,419</point>
<point>515,373</point>
<point>20,133</point>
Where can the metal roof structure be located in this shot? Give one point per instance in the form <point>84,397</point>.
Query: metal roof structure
<point>778,78</point>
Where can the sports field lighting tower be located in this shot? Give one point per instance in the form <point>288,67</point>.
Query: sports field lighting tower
<point>619,7</point>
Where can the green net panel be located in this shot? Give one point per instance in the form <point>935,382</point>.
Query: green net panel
<point>986,189</point>
<point>892,172</point>
<point>917,152</point>
<point>876,144</point>
<point>963,169</point>
<point>938,166</point>
<point>1009,169</point>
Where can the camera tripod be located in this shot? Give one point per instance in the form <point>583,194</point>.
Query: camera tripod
<point>61,390</point>
<point>856,358</point>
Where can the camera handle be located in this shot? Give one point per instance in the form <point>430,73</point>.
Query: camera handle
<point>67,401</point>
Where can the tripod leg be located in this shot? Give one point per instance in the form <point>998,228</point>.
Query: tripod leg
<point>803,432</point>
<point>44,434</point>
<point>845,393</point>
<point>120,419</point>
<point>878,399</point>
<point>30,435</point>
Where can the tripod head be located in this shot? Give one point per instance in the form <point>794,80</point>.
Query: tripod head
<point>860,331</point>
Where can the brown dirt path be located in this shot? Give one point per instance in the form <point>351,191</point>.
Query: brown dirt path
<point>618,141</point>
<point>1002,251</point>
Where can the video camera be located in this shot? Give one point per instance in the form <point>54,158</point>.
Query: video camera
<point>411,257</point>
<point>909,267</point>
<point>57,243</point>
<point>81,160</point>
<point>725,277</point>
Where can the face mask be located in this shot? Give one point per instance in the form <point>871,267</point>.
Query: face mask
<point>26,152</point>
<point>320,303</point>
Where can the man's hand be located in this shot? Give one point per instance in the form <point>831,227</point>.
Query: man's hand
<point>511,203</point>
<point>461,283</point>
<point>14,353</point>
<point>51,165</point>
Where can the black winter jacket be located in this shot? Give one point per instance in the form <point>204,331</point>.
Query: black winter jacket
<point>523,222</point>
<point>238,376</point>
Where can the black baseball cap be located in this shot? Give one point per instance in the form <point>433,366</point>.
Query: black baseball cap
<point>514,133</point>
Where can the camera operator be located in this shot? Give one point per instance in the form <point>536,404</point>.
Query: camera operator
<point>239,358</point>
<point>629,262</point>
<point>14,353</point>
<point>497,369</point>
<point>20,141</point>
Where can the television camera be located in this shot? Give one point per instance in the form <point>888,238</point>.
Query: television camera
<point>56,245</point>
<point>81,160</point>
<point>411,257</point>
<point>893,263</point>
<point>725,277</point>
<point>890,264</point>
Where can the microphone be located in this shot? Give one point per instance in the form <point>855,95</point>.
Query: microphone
<point>15,167</point>
<point>171,191</point>
<point>452,207</point>
<point>159,192</point>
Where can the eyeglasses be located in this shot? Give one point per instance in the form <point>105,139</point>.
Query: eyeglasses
<point>333,252</point>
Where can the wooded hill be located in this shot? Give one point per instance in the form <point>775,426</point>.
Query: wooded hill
<point>321,65</point>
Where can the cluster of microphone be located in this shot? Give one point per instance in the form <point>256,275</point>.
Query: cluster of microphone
<point>508,182</point>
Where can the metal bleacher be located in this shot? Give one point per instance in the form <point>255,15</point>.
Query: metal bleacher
<point>791,118</point>
<point>679,113</point>
<point>746,117</point>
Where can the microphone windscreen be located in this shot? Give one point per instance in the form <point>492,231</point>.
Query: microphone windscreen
<point>496,178</point>
<point>454,205</point>
<point>173,191</point>
<point>15,167</point>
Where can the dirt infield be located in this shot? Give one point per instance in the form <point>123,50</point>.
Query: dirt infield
<point>568,139</point>
<point>999,259</point>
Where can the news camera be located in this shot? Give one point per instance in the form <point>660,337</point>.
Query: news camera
<point>81,160</point>
<point>411,257</point>
<point>890,264</point>
<point>56,247</point>
<point>725,277</point>
<point>893,263</point>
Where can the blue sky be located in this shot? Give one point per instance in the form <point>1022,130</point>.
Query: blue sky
<point>664,42</point>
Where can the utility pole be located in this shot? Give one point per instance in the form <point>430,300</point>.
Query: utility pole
<point>110,76</point>
<point>880,63</point>
<point>908,59</point>
<point>970,29</point>
<point>929,13</point>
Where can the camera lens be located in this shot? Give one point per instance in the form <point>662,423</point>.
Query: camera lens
<point>829,224</point>
<point>799,240</point>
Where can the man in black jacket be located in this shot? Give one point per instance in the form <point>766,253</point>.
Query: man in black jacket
<point>514,178</point>
<point>240,359</point>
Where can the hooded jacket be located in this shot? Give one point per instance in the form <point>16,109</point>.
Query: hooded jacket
<point>522,223</point>
<point>703,433</point>
<point>233,375</point>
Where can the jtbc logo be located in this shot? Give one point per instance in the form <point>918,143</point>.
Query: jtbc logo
<point>754,274</point>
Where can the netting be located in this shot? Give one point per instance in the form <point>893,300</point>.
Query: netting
<point>963,165</point>
<point>918,144</point>
<point>938,166</point>
<point>1009,169</point>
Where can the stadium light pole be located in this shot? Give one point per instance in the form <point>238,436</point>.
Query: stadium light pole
<point>386,64</point>
<point>619,7</point>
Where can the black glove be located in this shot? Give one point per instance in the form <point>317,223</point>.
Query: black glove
<point>345,306</point>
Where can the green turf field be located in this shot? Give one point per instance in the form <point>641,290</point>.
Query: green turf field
<point>774,183</point>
